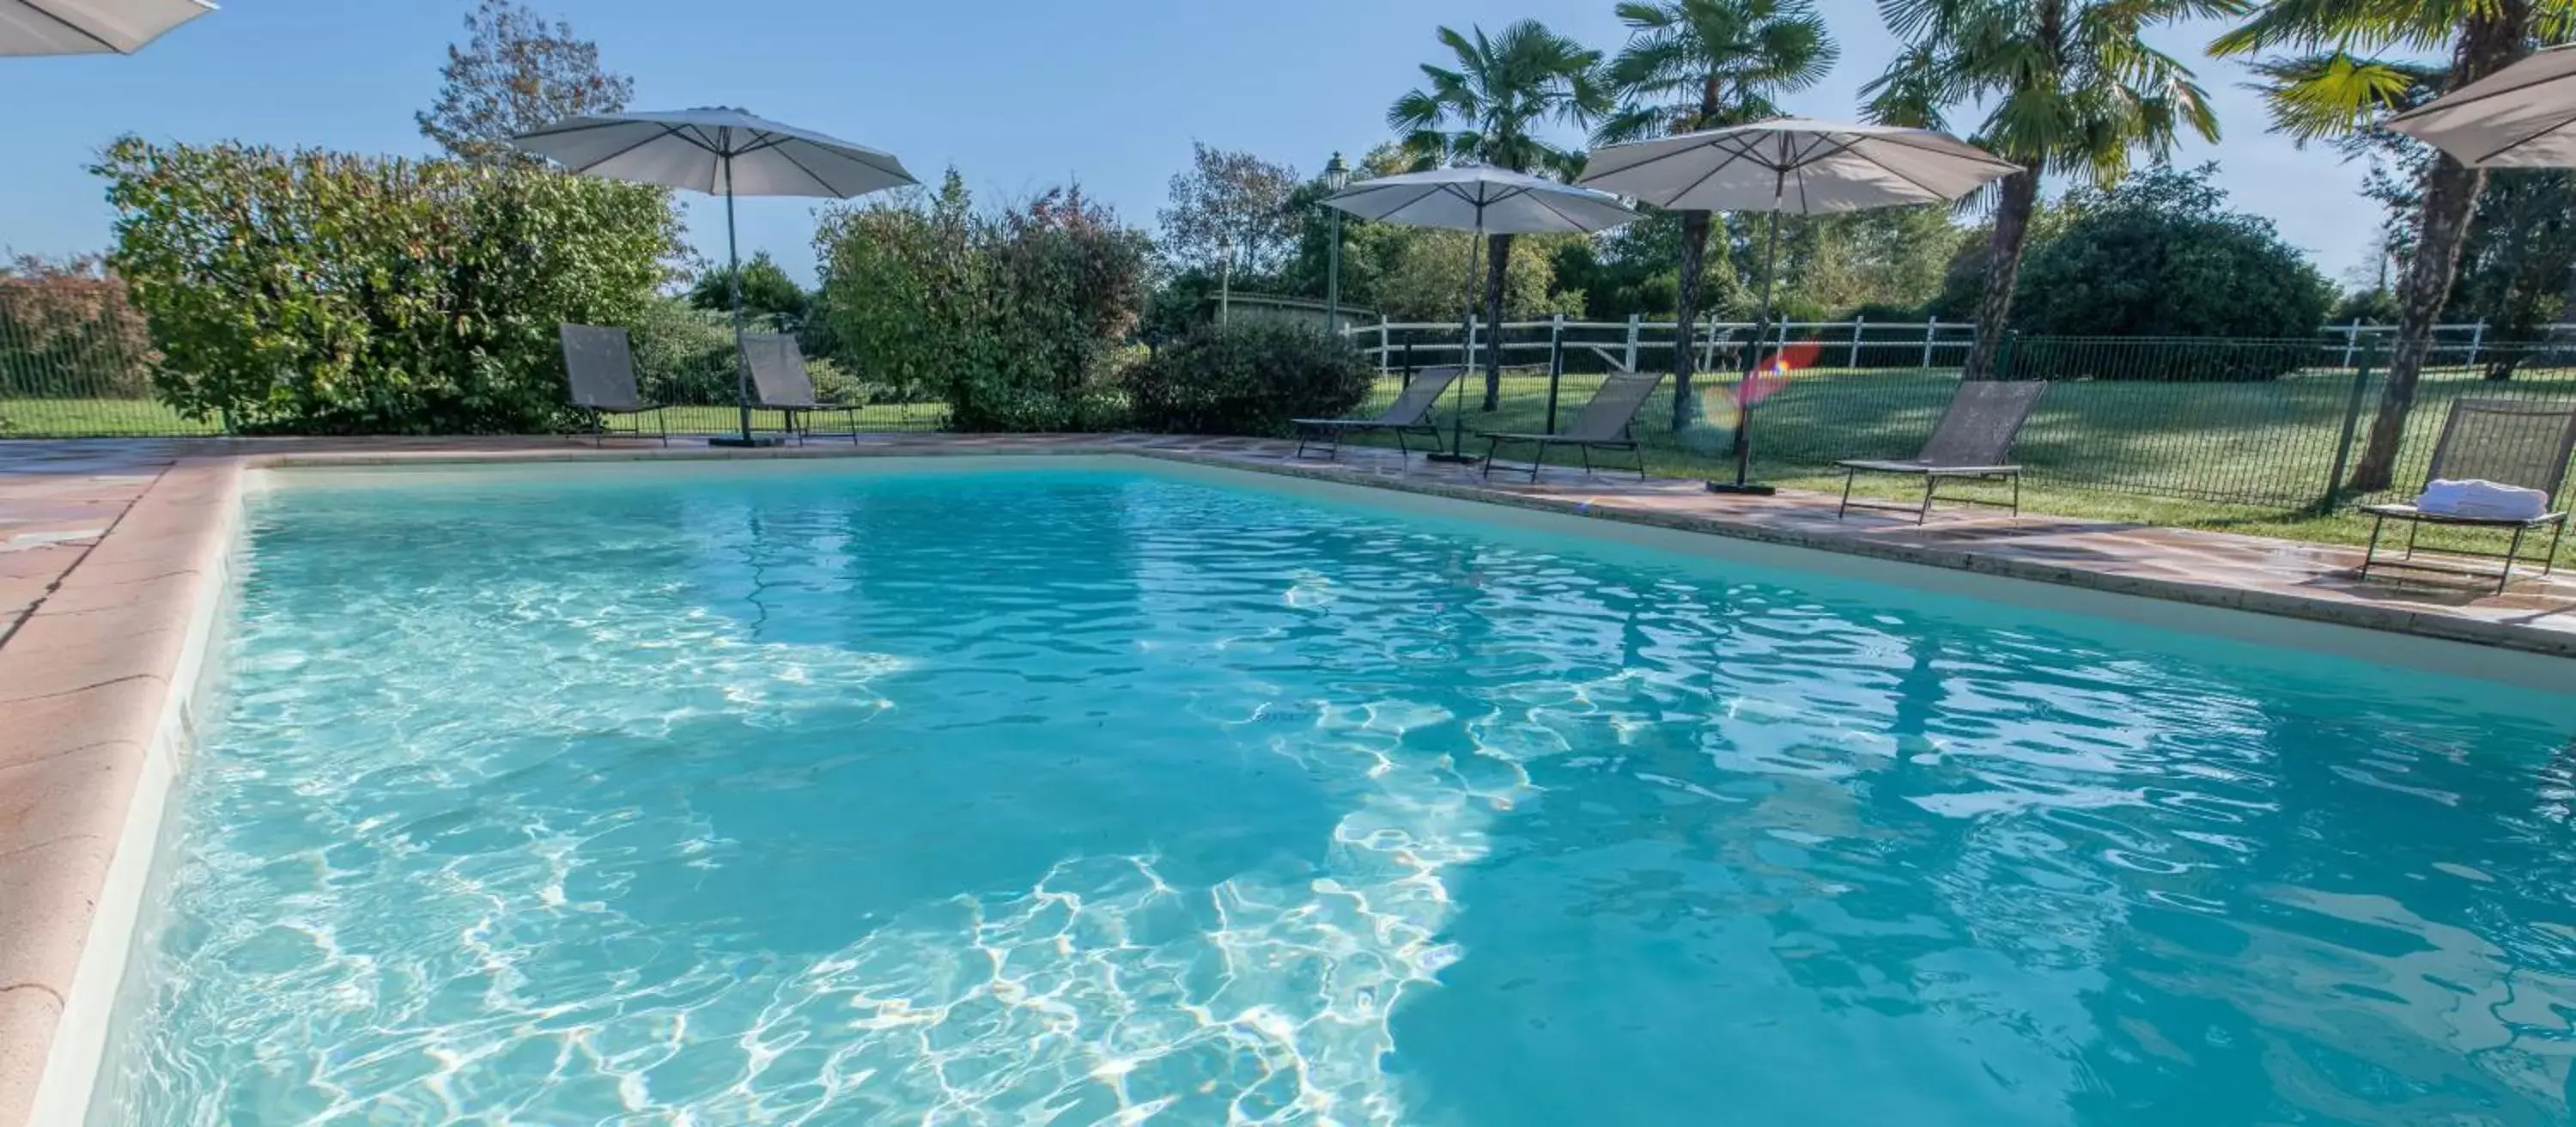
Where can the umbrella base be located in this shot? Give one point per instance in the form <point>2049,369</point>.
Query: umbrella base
<point>1454,459</point>
<point>1745,489</point>
<point>754,440</point>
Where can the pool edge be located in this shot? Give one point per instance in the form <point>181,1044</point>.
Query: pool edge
<point>126,633</point>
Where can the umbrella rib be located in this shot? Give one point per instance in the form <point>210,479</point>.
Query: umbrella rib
<point>1686,150</point>
<point>1427,193</point>
<point>1711,174</point>
<point>75,29</point>
<point>585,167</point>
<point>587,126</point>
<point>1974,153</point>
<point>2526,139</point>
<point>810,174</point>
<point>1892,170</point>
<point>1559,212</point>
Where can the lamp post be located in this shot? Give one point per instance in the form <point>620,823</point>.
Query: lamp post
<point>1337,176</point>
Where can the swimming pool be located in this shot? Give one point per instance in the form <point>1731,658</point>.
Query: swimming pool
<point>1085,793</point>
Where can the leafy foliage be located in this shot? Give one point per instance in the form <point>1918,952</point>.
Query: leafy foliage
<point>1234,200</point>
<point>2065,86</point>
<point>514,73</point>
<point>768,294</point>
<point>67,329</point>
<point>1428,280</point>
<point>683,354</point>
<point>2159,255</point>
<point>1014,319</point>
<point>317,292</point>
<point>1700,64</point>
<point>1249,377</point>
<point>2328,69</point>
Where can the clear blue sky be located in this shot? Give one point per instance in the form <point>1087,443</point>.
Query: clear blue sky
<point>1018,94</point>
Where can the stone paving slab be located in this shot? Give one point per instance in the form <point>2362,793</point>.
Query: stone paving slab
<point>111,549</point>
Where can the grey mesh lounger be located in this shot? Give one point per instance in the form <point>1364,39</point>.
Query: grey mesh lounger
<point>1604,424</point>
<point>2499,440</point>
<point>1409,414</point>
<point>599,373</point>
<point>779,382</point>
<point>1973,440</point>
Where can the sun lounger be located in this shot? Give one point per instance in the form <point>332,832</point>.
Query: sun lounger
<point>1973,441</point>
<point>1409,414</point>
<point>2503,441</point>
<point>1605,424</point>
<point>599,374</point>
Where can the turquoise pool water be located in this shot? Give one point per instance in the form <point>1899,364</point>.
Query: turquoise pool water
<point>1092,795</point>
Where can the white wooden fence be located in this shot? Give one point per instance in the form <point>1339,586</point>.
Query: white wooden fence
<point>1621,345</point>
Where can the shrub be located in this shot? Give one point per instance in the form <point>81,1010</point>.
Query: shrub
<point>2160,256</point>
<point>1249,377</point>
<point>1012,319</point>
<point>683,354</point>
<point>315,292</point>
<point>68,330</point>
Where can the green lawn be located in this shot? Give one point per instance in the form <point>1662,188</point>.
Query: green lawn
<point>2243,457</point>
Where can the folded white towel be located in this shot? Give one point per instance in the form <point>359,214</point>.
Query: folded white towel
<point>2481,500</point>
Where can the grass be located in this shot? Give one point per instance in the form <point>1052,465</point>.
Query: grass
<point>2241,457</point>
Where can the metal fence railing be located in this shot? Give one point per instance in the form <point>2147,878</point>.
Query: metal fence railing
<point>2268,424</point>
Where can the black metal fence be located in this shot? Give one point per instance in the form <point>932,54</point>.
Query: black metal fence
<point>2269,424</point>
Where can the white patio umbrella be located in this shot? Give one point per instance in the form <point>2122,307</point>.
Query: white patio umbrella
<point>2523,116</point>
<point>1487,201</point>
<point>1790,165</point>
<point>89,27</point>
<point>720,152</point>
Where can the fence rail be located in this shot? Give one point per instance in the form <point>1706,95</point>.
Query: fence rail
<point>1637,344</point>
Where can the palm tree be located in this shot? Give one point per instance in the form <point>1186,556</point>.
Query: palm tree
<point>1491,103</point>
<point>2068,86</point>
<point>1700,64</point>
<point>2338,88</point>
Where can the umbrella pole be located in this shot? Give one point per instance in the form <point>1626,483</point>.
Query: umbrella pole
<point>1457,451</point>
<point>1753,360</point>
<point>741,350</point>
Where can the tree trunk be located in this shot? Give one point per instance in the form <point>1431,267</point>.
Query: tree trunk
<point>2003,268</point>
<point>1499,252</point>
<point>1694,264</point>
<point>2487,44</point>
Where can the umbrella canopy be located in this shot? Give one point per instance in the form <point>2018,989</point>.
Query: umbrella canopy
<point>1487,201</point>
<point>723,152</point>
<point>1795,164</point>
<point>716,151</point>
<point>88,27</point>
<point>1478,197</point>
<point>2523,116</point>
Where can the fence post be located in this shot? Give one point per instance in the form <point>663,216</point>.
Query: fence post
<point>2477,337</point>
<point>1857,322</point>
<point>1408,360</point>
<point>2351,340</point>
<point>2351,423</point>
<point>1385,346</point>
<point>1555,366</point>
<point>1632,341</point>
<point>1931,331</point>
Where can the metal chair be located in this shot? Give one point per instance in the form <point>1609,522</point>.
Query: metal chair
<point>779,382</point>
<point>1409,414</point>
<point>2499,440</point>
<point>1972,441</point>
<point>1604,424</point>
<point>599,374</point>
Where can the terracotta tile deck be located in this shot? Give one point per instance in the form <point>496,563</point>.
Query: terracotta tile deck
<point>106,547</point>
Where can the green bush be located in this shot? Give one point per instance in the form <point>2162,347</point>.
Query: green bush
<point>683,354</point>
<point>2159,256</point>
<point>1013,319</point>
<point>67,330</point>
<point>1249,377</point>
<point>316,292</point>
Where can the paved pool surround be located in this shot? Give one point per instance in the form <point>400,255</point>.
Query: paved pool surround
<point>115,564</point>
